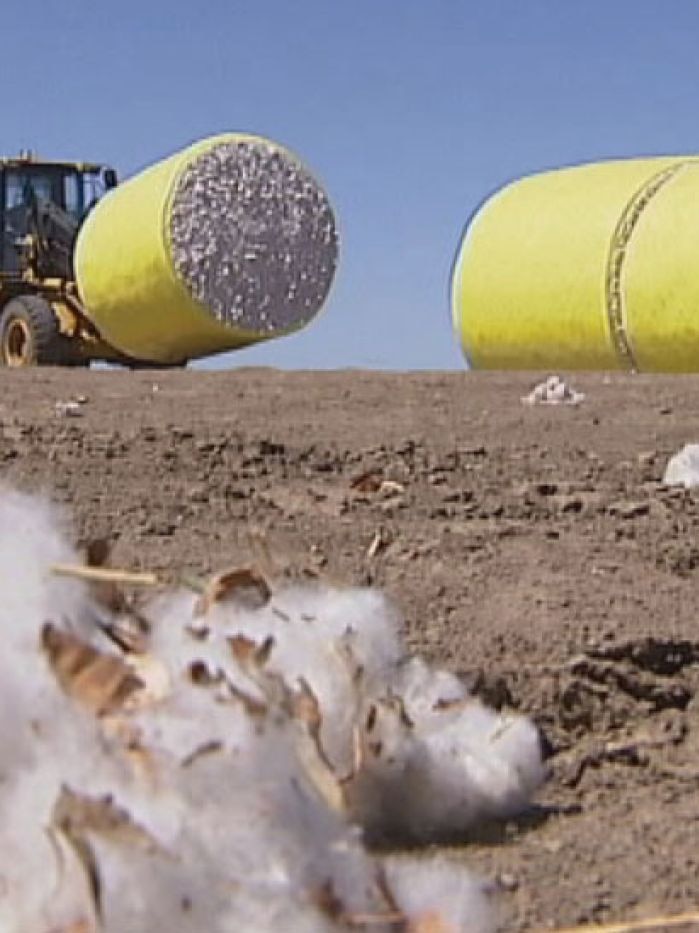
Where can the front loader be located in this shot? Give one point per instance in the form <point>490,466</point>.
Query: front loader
<point>42,206</point>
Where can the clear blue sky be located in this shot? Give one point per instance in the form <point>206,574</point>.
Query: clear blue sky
<point>410,111</point>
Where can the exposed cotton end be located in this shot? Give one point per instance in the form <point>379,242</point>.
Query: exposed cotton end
<point>253,236</point>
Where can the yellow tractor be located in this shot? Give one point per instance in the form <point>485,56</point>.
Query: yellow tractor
<point>42,206</point>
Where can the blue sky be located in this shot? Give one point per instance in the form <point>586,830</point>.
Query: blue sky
<point>411,112</point>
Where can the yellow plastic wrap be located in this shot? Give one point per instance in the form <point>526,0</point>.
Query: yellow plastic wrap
<point>592,267</point>
<point>127,279</point>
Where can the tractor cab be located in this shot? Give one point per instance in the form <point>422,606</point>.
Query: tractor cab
<point>42,205</point>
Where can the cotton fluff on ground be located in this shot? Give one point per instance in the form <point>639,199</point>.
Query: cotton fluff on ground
<point>226,773</point>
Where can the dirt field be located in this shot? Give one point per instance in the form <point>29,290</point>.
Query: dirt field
<point>533,549</point>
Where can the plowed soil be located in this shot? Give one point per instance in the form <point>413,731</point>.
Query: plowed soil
<point>532,549</point>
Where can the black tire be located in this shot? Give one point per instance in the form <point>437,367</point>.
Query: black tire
<point>29,335</point>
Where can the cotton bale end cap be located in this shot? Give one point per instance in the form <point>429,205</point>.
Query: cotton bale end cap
<point>253,236</point>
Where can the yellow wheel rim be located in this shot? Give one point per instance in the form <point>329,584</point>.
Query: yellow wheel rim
<point>17,343</point>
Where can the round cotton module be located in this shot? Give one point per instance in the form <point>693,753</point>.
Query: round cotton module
<point>591,267</point>
<point>253,236</point>
<point>227,243</point>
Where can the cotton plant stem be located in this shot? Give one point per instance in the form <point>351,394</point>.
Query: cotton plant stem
<point>690,920</point>
<point>106,575</point>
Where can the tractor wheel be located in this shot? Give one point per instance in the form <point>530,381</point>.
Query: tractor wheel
<point>29,334</point>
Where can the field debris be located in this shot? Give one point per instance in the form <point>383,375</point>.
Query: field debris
<point>245,585</point>
<point>367,482</point>
<point>105,575</point>
<point>683,468</point>
<point>232,772</point>
<point>688,921</point>
<point>382,539</point>
<point>372,481</point>
<point>553,391</point>
<point>71,408</point>
<point>68,409</point>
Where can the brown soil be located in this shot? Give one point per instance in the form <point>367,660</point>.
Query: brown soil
<point>533,549</point>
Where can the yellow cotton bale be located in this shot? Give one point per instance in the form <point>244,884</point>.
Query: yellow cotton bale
<point>591,267</point>
<point>224,244</point>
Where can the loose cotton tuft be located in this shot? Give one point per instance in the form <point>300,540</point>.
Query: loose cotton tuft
<point>228,770</point>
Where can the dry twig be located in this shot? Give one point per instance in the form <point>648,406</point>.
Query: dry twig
<point>105,575</point>
<point>690,919</point>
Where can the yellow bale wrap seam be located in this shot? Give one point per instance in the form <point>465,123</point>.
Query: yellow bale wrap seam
<point>662,278</point>
<point>125,272</point>
<point>545,276</point>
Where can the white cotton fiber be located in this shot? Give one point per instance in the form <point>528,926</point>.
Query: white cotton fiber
<point>683,468</point>
<point>145,891</point>
<point>436,890</point>
<point>30,541</point>
<point>426,692</point>
<point>437,761</point>
<point>30,596</point>
<point>33,733</point>
<point>237,788</point>
<point>485,765</point>
<point>342,643</point>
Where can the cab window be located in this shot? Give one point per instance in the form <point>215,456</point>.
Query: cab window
<point>19,187</point>
<point>73,195</point>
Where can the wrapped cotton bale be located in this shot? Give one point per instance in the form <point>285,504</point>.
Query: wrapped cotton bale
<point>227,243</point>
<point>592,267</point>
